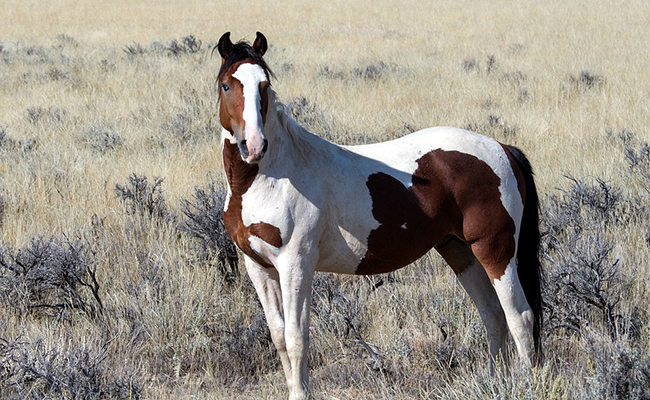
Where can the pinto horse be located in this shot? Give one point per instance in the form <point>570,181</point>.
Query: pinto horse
<point>298,203</point>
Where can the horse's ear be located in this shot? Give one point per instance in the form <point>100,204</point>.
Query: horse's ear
<point>225,45</point>
<point>260,45</point>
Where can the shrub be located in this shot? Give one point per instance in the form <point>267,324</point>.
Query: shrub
<point>205,223</point>
<point>313,118</point>
<point>133,50</point>
<point>66,40</point>
<point>306,113</point>
<point>583,206</point>
<point>189,122</point>
<point>368,73</point>
<point>3,208</point>
<point>326,72</point>
<point>639,162</point>
<point>62,371</point>
<point>56,74</point>
<point>372,71</point>
<point>618,370</point>
<point>470,65</point>
<point>237,345</point>
<point>101,137</point>
<point>585,282</point>
<point>586,81</point>
<point>187,45</point>
<point>180,126</point>
<point>51,115</point>
<point>341,312</point>
<point>5,141</point>
<point>52,275</point>
<point>625,135</point>
<point>491,63</point>
<point>143,199</point>
<point>586,278</point>
<point>338,312</point>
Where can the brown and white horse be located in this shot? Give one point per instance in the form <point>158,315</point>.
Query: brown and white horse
<point>298,204</point>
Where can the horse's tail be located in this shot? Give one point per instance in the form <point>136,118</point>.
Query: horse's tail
<point>529,268</point>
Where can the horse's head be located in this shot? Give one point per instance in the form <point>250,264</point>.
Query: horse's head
<point>243,82</point>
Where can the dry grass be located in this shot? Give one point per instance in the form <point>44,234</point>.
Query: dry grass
<point>92,98</point>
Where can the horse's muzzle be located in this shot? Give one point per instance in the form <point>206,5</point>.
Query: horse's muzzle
<point>252,154</point>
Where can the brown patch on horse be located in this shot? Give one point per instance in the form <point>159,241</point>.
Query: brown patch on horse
<point>453,193</point>
<point>240,177</point>
<point>231,103</point>
<point>406,232</point>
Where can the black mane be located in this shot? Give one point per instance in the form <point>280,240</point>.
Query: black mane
<point>241,51</point>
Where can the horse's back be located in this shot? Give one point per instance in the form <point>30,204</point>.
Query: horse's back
<point>406,149</point>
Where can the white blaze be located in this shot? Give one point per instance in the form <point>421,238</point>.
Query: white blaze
<point>250,76</point>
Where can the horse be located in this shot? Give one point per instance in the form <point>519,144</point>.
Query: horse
<point>297,203</point>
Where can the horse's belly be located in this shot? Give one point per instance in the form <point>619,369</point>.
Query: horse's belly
<point>390,249</point>
<point>384,247</point>
<point>341,251</point>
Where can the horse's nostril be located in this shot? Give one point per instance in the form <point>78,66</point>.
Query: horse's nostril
<point>243,149</point>
<point>266,145</point>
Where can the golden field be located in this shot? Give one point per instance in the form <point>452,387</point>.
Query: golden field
<point>91,94</point>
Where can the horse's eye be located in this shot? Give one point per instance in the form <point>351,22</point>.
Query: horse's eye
<point>225,87</point>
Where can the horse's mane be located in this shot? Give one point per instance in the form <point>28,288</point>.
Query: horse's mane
<point>282,113</point>
<point>279,119</point>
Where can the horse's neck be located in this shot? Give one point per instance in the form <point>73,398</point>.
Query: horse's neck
<point>296,146</point>
<point>292,150</point>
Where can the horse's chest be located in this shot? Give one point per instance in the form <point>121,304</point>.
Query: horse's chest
<point>251,238</point>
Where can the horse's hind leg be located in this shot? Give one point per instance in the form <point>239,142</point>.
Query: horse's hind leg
<point>518,313</point>
<point>267,284</point>
<point>511,295</point>
<point>475,281</point>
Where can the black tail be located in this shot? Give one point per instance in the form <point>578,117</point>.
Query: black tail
<point>529,268</point>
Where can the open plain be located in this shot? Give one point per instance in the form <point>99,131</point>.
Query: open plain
<point>116,280</point>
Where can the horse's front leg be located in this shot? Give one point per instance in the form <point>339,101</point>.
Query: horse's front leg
<point>296,275</point>
<point>267,284</point>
